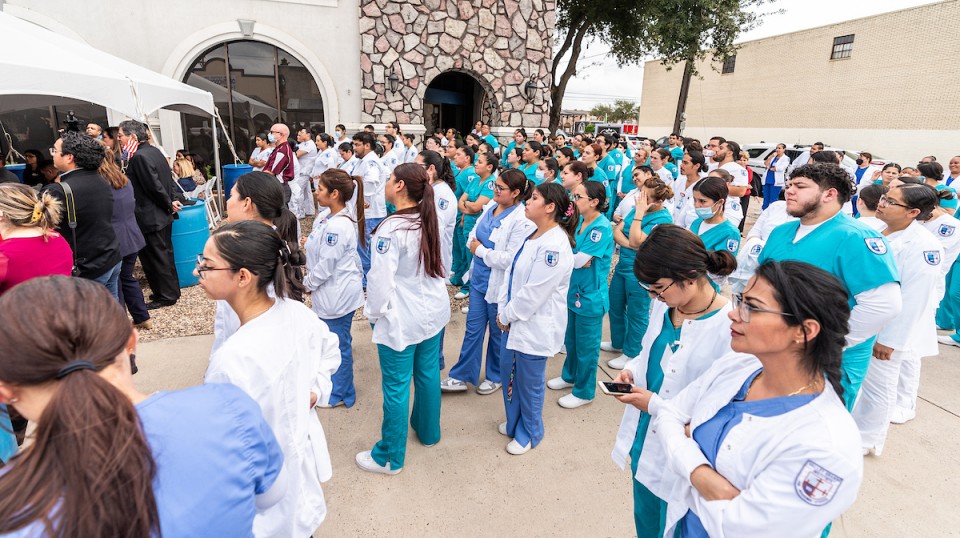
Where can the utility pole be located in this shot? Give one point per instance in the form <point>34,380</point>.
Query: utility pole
<point>679,119</point>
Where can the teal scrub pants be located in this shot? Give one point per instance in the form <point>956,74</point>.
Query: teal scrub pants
<point>421,362</point>
<point>461,255</point>
<point>948,314</point>
<point>629,312</point>
<point>583,351</point>
<point>649,511</point>
<point>856,360</point>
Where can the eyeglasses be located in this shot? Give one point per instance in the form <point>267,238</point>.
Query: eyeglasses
<point>498,187</point>
<point>203,268</point>
<point>884,201</point>
<point>745,310</point>
<point>655,293</point>
<point>53,151</point>
<point>578,197</point>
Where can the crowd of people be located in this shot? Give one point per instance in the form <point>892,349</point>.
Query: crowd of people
<point>756,369</point>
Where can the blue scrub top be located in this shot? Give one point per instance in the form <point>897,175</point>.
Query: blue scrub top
<point>588,285</point>
<point>474,190</point>
<point>710,434</point>
<point>771,177</point>
<point>480,275</point>
<point>849,250</point>
<point>647,224</point>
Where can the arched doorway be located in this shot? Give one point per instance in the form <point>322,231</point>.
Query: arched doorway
<point>455,99</point>
<point>266,85</point>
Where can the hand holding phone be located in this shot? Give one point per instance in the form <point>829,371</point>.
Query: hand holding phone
<point>615,389</point>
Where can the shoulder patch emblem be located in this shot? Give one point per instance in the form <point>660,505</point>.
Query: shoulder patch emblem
<point>383,244</point>
<point>815,485</point>
<point>755,250</point>
<point>332,239</point>
<point>733,245</point>
<point>551,258</point>
<point>876,245</point>
<point>932,257</point>
<point>443,203</point>
<point>945,230</point>
<point>596,235</point>
<point>489,185</point>
<point>735,205</point>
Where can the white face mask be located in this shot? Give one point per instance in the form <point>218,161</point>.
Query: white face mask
<point>708,153</point>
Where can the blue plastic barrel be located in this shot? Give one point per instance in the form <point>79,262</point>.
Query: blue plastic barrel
<point>18,169</point>
<point>190,234</point>
<point>230,174</point>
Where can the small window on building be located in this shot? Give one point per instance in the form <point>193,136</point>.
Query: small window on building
<point>729,63</point>
<point>842,47</point>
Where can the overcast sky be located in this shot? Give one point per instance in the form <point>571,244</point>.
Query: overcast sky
<point>606,82</point>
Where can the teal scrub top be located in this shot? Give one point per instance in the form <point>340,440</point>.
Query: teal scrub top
<point>510,147</point>
<point>626,177</point>
<point>599,174</point>
<point>677,153</point>
<point>492,140</point>
<point>723,236</point>
<point>588,285</point>
<point>474,190</point>
<point>949,204</point>
<point>647,224</point>
<point>530,170</point>
<point>615,158</point>
<point>673,170</point>
<point>463,178</point>
<point>851,251</point>
<point>456,171</point>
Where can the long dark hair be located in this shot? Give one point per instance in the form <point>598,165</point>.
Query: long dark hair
<point>256,247</point>
<point>807,292</point>
<point>417,186</point>
<point>566,213</point>
<point>441,165</point>
<point>90,471</point>
<point>517,181</point>
<point>673,252</point>
<point>334,179</point>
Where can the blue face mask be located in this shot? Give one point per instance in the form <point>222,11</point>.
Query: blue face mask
<point>705,212</point>
<point>339,134</point>
<point>271,138</point>
<point>540,176</point>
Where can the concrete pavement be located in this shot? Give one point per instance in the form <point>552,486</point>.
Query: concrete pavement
<point>568,486</point>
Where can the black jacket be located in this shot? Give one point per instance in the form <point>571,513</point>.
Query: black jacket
<point>97,248</point>
<point>153,188</point>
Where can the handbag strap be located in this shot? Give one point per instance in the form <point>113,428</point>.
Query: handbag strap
<point>71,215</point>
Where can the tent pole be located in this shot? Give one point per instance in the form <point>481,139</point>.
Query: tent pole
<point>216,162</point>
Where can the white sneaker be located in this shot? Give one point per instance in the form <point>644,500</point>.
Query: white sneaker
<point>365,461</point>
<point>502,428</point>
<point>902,416</point>
<point>452,385</point>
<point>608,346</point>
<point>572,402</point>
<point>516,449</point>
<point>461,295</point>
<point>488,387</point>
<point>558,383</point>
<point>328,406</point>
<point>946,340</point>
<point>619,362</point>
<point>563,349</point>
<point>464,309</point>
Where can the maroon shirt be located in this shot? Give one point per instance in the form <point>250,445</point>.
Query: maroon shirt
<point>280,162</point>
<point>23,258</point>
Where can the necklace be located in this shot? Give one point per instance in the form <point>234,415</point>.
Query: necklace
<point>712,299</point>
<point>794,393</point>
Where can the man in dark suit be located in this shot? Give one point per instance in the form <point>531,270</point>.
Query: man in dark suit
<point>94,243</point>
<point>155,210</point>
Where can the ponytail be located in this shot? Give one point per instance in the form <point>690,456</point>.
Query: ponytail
<point>417,188</point>
<point>359,211</point>
<point>21,206</point>
<point>257,247</point>
<point>441,165</point>
<point>335,179</point>
<point>90,470</point>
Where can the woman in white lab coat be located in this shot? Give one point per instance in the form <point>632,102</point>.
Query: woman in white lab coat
<point>532,309</point>
<point>408,306</point>
<point>688,329</point>
<point>334,275</point>
<point>771,449</point>
<point>776,165</point>
<point>282,356</point>
<point>913,333</point>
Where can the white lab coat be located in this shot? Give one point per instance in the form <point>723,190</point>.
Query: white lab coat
<point>374,180</point>
<point>446,203</point>
<point>226,322</point>
<point>779,171</point>
<point>333,272</point>
<point>324,161</point>
<point>307,159</point>
<point>405,305</point>
<point>772,461</point>
<point>390,160</point>
<point>664,174</point>
<point>947,230</point>
<point>733,211</point>
<point>349,166</point>
<point>514,229</point>
<point>872,222</point>
<point>739,173</point>
<point>701,343</point>
<point>683,211</point>
<point>536,309</point>
<point>410,154</point>
<point>279,358</point>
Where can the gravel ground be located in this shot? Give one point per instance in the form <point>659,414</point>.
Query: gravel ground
<point>193,313</point>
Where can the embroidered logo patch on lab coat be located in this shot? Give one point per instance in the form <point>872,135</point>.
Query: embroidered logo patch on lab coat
<point>816,485</point>
<point>876,245</point>
<point>932,257</point>
<point>332,239</point>
<point>444,204</point>
<point>755,250</point>
<point>383,244</point>
<point>552,258</point>
<point>735,205</point>
<point>945,230</point>
<point>596,235</point>
<point>733,245</point>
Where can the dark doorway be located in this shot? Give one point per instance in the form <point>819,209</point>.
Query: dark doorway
<point>453,99</point>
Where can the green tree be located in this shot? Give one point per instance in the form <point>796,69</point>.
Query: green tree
<point>624,111</point>
<point>602,112</point>
<point>676,30</point>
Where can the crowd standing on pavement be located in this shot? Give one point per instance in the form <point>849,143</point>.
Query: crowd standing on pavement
<point>757,370</point>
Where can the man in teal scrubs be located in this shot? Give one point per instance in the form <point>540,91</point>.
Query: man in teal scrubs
<point>853,252</point>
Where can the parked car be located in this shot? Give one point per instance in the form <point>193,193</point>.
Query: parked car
<point>634,141</point>
<point>759,153</point>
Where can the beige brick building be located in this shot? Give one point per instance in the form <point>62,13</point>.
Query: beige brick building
<point>896,93</point>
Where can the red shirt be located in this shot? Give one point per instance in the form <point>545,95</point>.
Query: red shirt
<point>23,258</point>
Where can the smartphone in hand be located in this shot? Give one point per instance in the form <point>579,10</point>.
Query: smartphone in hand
<point>615,389</point>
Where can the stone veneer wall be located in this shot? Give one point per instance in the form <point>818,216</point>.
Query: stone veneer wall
<point>499,42</point>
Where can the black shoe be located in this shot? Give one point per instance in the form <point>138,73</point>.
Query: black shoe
<point>153,305</point>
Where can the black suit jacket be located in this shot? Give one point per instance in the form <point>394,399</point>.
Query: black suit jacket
<point>153,188</point>
<point>96,248</point>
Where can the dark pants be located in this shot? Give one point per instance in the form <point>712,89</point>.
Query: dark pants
<point>158,266</point>
<point>744,205</point>
<point>130,293</point>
